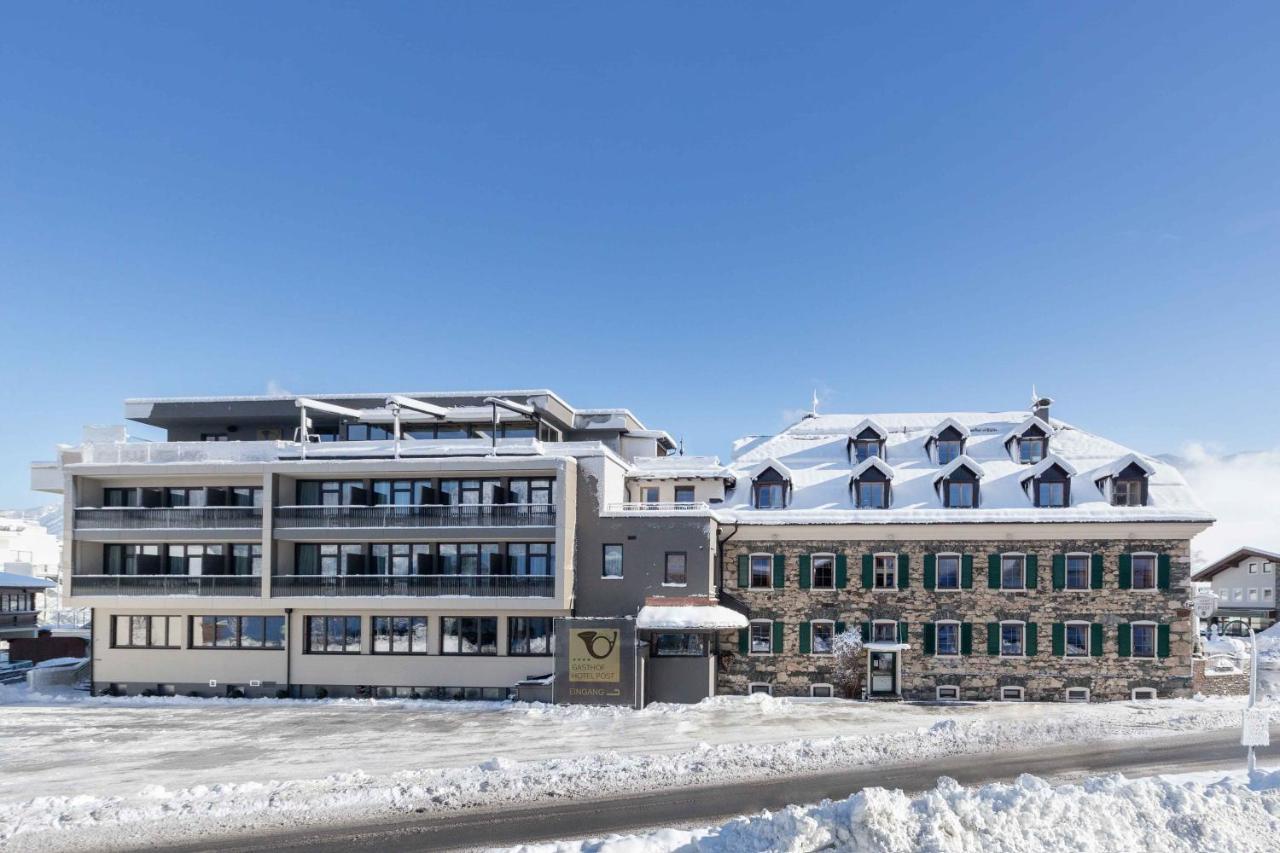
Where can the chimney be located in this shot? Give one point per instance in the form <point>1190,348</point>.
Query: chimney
<point>1040,408</point>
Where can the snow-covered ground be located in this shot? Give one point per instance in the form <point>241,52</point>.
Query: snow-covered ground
<point>1111,813</point>
<point>176,767</point>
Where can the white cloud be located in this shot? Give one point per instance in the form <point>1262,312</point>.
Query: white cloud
<point>1242,490</point>
<point>275,389</point>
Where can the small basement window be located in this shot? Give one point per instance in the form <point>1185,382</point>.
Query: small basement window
<point>760,687</point>
<point>1012,694</point>
<point>821,691</point>
<point>1144,693</point>
<point>1077,694</point>
<point>948,693</point>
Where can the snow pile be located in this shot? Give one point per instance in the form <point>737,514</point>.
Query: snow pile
<point>1101,814</point>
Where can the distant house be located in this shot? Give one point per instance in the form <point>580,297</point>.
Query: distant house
<point>1245,581</point>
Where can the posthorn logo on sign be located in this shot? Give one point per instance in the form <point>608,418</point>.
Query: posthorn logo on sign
<point>594,656</point>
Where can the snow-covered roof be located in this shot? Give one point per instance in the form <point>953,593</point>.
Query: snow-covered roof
<point>962,461</point>
<point>766,464</point>
<point>868,424</point>
<point>710,617</point>
<point>1114,468</point>
<point>8,580</point>
<point>677,467</point>
<point>1021,429</point>
<point>813,453</point>
<point>1045,464</point>
<point>1234,558</point>
<point>869,463</point>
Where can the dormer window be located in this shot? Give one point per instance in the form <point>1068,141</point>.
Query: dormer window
<point>949,450</point>
<point>958,484</point>
<point>770,486</point>
<point>1028,443</point>
<point>867,441</point>
<point>1126,482</point>
<point>866,448</point>
<point>1127,493</point>
<point>1050,482</point>
<point>1030,450</point>
<point>871,483</point>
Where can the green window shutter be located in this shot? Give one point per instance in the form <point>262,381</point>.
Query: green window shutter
<point>1126,571</point>
<point>804,638</point>
<point>866,632</point>
<point>1162,641</point>
<point>902,632</point>
<point>842,571</point>
<point>966,638</point>
<point>993,638</point>
<point>930,571</point>
<point>993,571</point>
<point>1095,639</point>
<point>1059,639</point>
<point>777,638</point>
<point>839,628</point>
<point>1032,564</point>
<point>744,640</point>
<point>966,571</point>
<point>1059,571</point>
<point>744,571</point>
<point>904,572</point>
<point>1122,639</point>
<point>779,570</point>
<point>928,638</point>
<point>1095,579</point>
<point>804,571</point>
<point>1033,639</point>
<point>868,571</point>
<point>1163,571</point>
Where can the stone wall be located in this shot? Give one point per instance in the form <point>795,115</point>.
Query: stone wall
<point>979,675</point>
<point>1210,683</point>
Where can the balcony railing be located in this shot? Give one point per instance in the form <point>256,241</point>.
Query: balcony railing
<point>200,585</point>
<point>418,515</point>
<point>169,518</point>
<point>19,619</point>
<point>660,506</point>
<point>495,586</point>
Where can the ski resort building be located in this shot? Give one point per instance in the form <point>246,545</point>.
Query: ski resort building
<point>475,544</point>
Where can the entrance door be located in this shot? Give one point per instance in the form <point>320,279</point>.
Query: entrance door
<point>884,673</point>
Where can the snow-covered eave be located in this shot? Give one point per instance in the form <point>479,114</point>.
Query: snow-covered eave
<point>949,422</point>
<point>1021,429</point>
<point>1045,464</point>
<point>869,463</point>
<point>868,423</point>
<point>765,464</point>
<point>1030,515</point>
<point>711,617</point>
<point>962,461</point>
<point>1114,468</point>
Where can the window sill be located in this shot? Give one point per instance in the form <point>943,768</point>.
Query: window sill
<point>1012,657</point>
<point>611,577</point>
<point>945,656</point>
<point>1077,657</point>
<point>676,584</point>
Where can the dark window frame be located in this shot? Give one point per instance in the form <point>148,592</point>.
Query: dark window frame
<point>666,568</point>
<point>239,623</point>
<point>327,617</point>
<point>374,625</point>
<point>518,629</point>
<point>459,620</point>
<point>604,560</point>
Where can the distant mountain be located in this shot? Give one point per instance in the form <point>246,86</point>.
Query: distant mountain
<point>49,517</point>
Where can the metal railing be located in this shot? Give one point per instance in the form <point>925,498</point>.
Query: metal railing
<point>660,506</point>
<point>172,518</point>
<point>201,585</point>
<point>496,586</point>
<point>19,619</point>
<point>418,515</point>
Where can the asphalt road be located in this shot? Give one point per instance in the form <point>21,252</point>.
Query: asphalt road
<point>700,806</point>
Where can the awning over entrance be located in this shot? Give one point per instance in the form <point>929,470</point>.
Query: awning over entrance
<point>885,647</point>
<point>687,614</point>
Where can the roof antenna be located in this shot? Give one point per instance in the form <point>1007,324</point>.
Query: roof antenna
<point>680,449</point>
<point>813,413</point>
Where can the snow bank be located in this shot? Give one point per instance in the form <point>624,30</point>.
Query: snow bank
<point>1029,815</point>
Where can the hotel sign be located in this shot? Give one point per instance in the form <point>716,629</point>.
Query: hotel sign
<point>595,661</point>
<point>594,655</point>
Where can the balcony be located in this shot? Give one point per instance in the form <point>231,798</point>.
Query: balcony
<point>17,620</point>
<point>480,586</point>
<point>660,506</point>
<point>170,518</point>
<point>193,585</point>
<point>419,515</point>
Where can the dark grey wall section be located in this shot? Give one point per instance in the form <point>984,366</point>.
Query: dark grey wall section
<point>678,679</point>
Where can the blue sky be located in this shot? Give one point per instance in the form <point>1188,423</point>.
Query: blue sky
<point>701,212</point>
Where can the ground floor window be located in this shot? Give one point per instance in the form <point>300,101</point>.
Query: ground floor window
<point>824,637</point>
<point>948,639</point>
<point>1077,694</point>
<point>1144,693</point>
<point>1011,694</point>
<point>1077,639</point>
<point>530,635</point>
<point>1012,635</point>
<point>760,687</point>
<point>238,632</point>
<point>331,635</point>
<point>679,645</point>
<point>821,691</point>
<point>884,632</point>
<point>146,632</point>
<point>948,692</point>
<point>469,635</point>
<point>761,638</point>
<point>400,635</point>
<point>1144,640</point>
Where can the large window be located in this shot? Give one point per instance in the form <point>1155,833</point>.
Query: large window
<point>400,558</point>
<point>1144,571</point>
<point>884,631</point>
<point>872,494</point>
<point>948,571</point>
<point>684,494</point>
<point>469,635</point>
<point>961,494</point>
<point>1077,571</point>
<point>886,571</point>
<point>180,497</point>
<point>649,494</point>
<point>1144,640</point>
<point>238,632</point>
<point>195,559</point>
<point>1076,635</point>
<point>823,570</point>
<point>529,491</point>
<point>399,635</point>
<point>531,558</point>
<point>1012,639</point>
<point>761,638</point>
<point>1126,493</point>
<point>676,572</point>
<point>949,451</point>
<point>824,637</point>
<point>612,561</point>
<point>330,560</point>
<point>469,558</point>
<point>332,493</point>
<point>1013,571</point>
<point>132,560</point>
<point>246,560</point>
<point>679,645</point>
<point>17,602</point>
<point>332,635</point>
<point>146,632</point>
<point>530,635</point>
<point>948,639</point>
<point>761,571</point>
